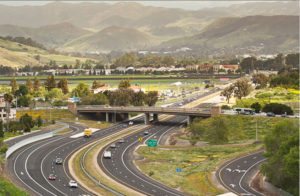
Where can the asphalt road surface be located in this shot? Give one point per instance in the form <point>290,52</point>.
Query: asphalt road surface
<point>236,174</point>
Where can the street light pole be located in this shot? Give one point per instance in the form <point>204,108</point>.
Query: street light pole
<point>256,135</point>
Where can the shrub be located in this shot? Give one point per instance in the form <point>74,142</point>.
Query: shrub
<point>278,108</point>
<point>151,173</point>
<point>225,107</point>
<point>3,149</point>
<point>256,106</point>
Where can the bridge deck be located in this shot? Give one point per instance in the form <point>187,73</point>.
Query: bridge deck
<point>156,110</point>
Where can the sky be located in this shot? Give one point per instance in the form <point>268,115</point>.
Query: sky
<point>189,5</point>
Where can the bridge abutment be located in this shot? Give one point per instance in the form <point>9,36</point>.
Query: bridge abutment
<point>147,119</point>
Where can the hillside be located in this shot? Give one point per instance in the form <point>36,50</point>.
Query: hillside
<point>252,33</point>
<point>61,24</point>
<point>16,55</point>
<point>50,35</point>
<point>111,38</point>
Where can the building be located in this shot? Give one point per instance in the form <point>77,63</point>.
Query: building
<point>225,68</point>
<point>12,113</point>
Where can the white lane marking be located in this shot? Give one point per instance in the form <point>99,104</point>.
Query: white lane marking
<point>122,157</point>
<point>240,182</point>
<point>226,165</point>
<point>26,163</point>
<point>15,171</point>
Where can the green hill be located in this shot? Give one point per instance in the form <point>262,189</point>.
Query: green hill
<point>16,55</point>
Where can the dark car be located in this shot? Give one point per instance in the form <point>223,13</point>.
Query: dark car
<point>270,114</point>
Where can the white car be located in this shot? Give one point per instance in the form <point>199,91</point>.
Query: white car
<point>130,123</point>
<point>73,184</point>
<point>107,154</point>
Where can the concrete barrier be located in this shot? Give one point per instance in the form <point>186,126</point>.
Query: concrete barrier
<point>33,139</point>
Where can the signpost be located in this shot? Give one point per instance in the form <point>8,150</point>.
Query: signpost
<point>152,143</point>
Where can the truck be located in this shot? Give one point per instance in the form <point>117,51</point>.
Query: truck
<point>87,133</point>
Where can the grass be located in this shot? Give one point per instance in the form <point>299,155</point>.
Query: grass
<point>7,188</point>
<point>8,135</point>
<point>197,164</point>
<point>94,124</point>
<point>53,114</point>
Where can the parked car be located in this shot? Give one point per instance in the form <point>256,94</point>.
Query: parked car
<point>73,184</point>
<point>270,114</point>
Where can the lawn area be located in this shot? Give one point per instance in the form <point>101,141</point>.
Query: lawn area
<point>54,114</point>
<point>8,188</point>
<point>196,163</point>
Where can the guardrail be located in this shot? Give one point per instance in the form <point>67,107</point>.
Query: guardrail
<point>33,139</point>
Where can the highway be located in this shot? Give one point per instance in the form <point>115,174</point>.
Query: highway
<point>30,166</point>
<point>236,174</point>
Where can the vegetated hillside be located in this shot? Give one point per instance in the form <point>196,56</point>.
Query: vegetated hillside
<point>50,35</point>
<point>16,55</point>
<point>252,33</point>
<point>111,38</point>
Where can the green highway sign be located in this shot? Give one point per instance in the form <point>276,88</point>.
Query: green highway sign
<point>152,143</point>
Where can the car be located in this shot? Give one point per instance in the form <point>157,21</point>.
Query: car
<point>107,154</point>
<point>270,114</point>
<point>113,145</point>
<point>73,184</point>
<point>58,161</point>
<point>146,132</point>
<point>121,140</point>
<point>130,123</point>
<point>51,177</point>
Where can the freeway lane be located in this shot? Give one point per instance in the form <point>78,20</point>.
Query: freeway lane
<point>122,169</point>
<point>236,174</point>
<point>31,165</point>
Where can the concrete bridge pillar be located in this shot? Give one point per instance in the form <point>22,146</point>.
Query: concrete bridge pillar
<point>147,118</point>
<point>189,120</point>
<point>107,117</point>
<point>155,117</point>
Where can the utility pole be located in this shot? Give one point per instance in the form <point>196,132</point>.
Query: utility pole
<point>256,134</point>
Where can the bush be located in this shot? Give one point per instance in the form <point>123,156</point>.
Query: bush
<point>3,149</point>
<point>151,173</point>
<point>225,107</point>
<point>256,106</point>
<point>278,108</point>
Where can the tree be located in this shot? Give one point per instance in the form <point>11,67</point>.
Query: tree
<point>261,80</point>
<point>8,98</point>
<point>151,98</point>
<point>128,59</point>
<point>36,84</point>
<point>95,99</point>
<point>227,92</point>
<point>278,108</point>
<point>124,84</point>
<point>1,129</point>
<point>29,85</point>
<point>282,153</point>
<point>27,122</point>
<point>120,97</point>
<point>54,94</point>
<point>22,91</point>
<point>248,64</point>
<point>217,133</point>
<point>63,85</point>
<point>256,106</point>
<point>97,84</point>
<point>13,85</point>
<point>242,88</point>
<point>292,59</point>
<point>24,101</point>
<point>39,121</point>
<point>81,90</point>
<point>138,98</point>
<point>50,83</point>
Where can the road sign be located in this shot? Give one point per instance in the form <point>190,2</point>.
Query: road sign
<point>178,169</point>
<point>152,143</point>
<point>140,139</point>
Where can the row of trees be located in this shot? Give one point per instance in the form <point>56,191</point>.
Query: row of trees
<point>241,88</point>
<point>123,96</point>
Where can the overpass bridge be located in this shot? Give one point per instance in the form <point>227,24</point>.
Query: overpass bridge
<point>111,112</point>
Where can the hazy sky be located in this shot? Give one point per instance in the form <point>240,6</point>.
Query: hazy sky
<point>192,5</point>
